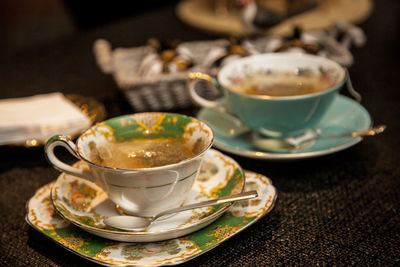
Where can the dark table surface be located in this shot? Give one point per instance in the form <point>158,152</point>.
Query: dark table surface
<point>339,209</point>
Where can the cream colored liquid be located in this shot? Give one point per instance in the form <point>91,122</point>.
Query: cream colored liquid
<point>282,84</point>
<point>137,154</point>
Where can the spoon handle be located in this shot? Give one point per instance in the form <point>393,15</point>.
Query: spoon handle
<point>213,202</point>
<point>368,132</point>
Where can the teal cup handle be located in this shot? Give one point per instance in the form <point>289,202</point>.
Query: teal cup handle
<point>356,95</point>
<point>193,79</point>
<point>196,77</point>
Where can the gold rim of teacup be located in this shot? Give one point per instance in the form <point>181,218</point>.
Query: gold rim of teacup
<point>150,169</point>
<point>338,84</point>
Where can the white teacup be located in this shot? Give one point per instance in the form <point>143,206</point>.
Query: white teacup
<point>138,191</point>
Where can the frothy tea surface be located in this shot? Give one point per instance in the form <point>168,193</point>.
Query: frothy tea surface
<point>141,153</point>
<point>277,84</point>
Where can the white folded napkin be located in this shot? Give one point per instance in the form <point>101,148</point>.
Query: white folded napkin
<point>39,117</point>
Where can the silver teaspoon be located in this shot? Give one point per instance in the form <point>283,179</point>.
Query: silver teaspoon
<point>306,140</point>
<point>136,223</point>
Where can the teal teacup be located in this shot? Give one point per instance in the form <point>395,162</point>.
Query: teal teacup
<point>277,94</point>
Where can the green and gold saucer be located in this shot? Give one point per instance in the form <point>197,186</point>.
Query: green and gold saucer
<point>43,217</point>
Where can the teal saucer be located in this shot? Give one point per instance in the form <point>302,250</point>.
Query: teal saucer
<point>344,115</point>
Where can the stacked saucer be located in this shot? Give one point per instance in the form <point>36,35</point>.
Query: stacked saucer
<point>173,240</point>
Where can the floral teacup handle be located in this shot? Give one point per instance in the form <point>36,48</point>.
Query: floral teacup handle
<point>60,140</point>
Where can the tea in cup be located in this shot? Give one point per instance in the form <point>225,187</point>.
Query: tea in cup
<point>145,162</point>
<point>277,94</point>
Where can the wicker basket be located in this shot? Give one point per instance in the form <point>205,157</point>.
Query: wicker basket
<point>157,92</point>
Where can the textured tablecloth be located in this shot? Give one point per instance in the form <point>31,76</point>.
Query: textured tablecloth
<point>340,209</point>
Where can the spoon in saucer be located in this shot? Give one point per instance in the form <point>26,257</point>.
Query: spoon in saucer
<point>292,144</point>
<point>136,223</point>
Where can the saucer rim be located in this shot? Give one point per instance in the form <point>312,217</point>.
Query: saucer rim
<point>205,221</point>
<point>92,259</point>
<point>292,156</point>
